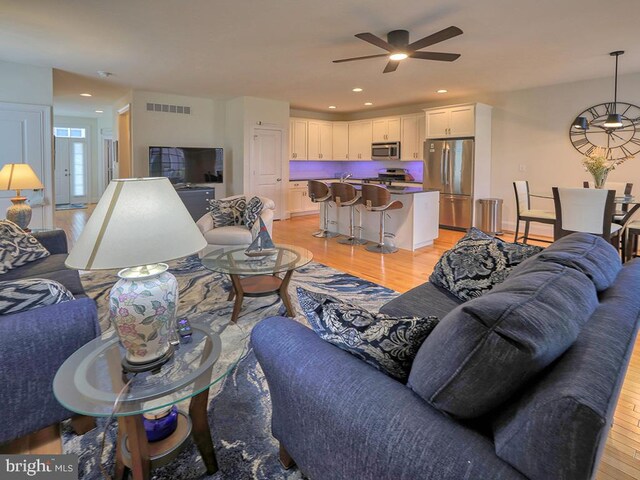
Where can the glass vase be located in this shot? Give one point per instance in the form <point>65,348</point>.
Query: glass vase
<point>600,178</point>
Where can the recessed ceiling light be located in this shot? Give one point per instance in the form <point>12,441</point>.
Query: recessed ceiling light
<point>332,106</point>
<point>368,104</point>
<point>398,56</point>
<point>357,89</point>
<point>442,90</point>
<point>99,111</point>
<point>86,95</point>
<point>104,74</point>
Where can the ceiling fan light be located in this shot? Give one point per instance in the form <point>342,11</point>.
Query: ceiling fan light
<point>580,123</point>
<point>614,120</point>
<point>398,56</point>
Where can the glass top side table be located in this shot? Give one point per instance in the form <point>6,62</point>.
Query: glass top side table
<point>91,379</point>
<point>258,276</point>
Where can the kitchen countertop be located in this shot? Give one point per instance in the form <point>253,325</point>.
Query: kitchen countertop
<point>334,178</point>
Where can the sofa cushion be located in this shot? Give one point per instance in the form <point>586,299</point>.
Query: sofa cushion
<point>227,212</point>
<point>422,301</point>
<point>230,235</point>
<point>26,294</point>
<point>590,254</point>
<point>477,263</point>
<point>17,248</point>
<point>252,211</point>
<point>387,343</point>
<point>487,348</point>
<point>52,268</point>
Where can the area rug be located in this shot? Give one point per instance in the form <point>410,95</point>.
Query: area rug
<point>239,405</point>
<point>70,206</point>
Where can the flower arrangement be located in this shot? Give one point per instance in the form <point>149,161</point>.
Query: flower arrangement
<point>598,164</point>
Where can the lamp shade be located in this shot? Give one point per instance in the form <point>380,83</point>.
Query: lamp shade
<point>614,120</point>
<point>138,221</point>
<point>19,176</point>
<point>580,123</point>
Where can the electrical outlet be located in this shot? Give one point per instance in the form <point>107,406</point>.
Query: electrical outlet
<point>522,168</point>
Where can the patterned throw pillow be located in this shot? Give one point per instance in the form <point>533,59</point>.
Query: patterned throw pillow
<point>477,263</point>
<point>227,212</point>
<point>253,211</point>
<point>17,248</point>
<point>22,295</point>
<point>387,343</point>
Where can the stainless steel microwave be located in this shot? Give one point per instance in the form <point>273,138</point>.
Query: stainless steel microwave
<point>385,151</point>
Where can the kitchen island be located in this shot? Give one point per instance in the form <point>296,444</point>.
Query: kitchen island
<point>415,225</point>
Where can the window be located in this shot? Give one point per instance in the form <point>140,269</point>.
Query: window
<point>78,180</point>
<point>65,132</point>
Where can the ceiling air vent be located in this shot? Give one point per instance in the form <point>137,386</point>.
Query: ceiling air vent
<point>160,107</point>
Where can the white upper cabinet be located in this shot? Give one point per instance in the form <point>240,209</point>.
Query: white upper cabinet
<point>319,140</point>
<point>386,129</point>
<point>456,121</point>
<point>298,139</point>
<point>340,141</point>
<point>360,139</point>
<point>412,137</point>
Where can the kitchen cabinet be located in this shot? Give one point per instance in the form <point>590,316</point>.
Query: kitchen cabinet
<point>298,199</point>
<point>340,141</point>
<point>412,137</point>
<point>360,139</point>
<point>319,140</point>
<point>298,139</point>
<point>455,121</point>
<point>386,129</point>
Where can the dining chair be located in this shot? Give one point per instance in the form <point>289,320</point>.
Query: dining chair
<point>525,214</point>
<point>587,210</point>
<point>622,189</point>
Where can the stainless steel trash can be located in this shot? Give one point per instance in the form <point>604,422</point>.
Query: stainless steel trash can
<point>491,216</point>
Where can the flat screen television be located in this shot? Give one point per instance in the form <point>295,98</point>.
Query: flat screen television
<point>186,164</point>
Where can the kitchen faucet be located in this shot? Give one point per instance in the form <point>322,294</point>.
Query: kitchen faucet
<point>344,176</point>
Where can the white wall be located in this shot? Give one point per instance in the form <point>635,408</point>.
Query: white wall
<point>29,85</point>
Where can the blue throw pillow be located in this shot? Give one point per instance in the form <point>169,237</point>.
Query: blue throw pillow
<point>227,212</point>
<point>387,343</point>
<point>17,248</point>
<point>21,295</point>
<point>477,263</point>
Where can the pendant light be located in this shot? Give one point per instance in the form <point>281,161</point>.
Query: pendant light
<point>614,120</point>
<point>580,123</point>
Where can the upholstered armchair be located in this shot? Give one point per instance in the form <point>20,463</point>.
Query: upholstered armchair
<point>233,235</point>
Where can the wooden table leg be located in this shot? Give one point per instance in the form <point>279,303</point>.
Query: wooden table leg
<point>239,293</point>
<point>284,294</point>
<point>138,447</point>
<point>200,430</point>
<point>81,424</point>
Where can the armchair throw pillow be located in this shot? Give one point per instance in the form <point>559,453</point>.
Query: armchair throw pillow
<point>26,294</point>
<point>227,212</point>
<point>477,263</point>
<point>252,211</point>
<point>17,248</point>
<point>387,343</point>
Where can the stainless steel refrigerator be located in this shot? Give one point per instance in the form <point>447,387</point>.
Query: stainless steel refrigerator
<point>448,166</point>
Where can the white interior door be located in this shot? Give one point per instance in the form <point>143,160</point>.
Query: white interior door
<point>71,168</point>
<point>266,166</point>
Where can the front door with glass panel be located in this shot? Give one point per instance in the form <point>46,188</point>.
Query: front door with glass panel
<point>71,165</point>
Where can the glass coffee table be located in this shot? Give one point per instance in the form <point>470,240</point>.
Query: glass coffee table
<point>258,276</point>
<point>90,381</point>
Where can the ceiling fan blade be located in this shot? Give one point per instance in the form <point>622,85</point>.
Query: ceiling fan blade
<point>391,66</point>
<point>437,37</point>
<point>442,57</point>
<point>377,41</point>
<point>360,58</point>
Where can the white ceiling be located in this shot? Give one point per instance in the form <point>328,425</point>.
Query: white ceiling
<point>283,49</point>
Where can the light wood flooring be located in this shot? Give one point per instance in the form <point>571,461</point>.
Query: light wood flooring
<point>402,271</point>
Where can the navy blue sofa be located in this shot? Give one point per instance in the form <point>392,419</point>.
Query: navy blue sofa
<point>339,418</point>
<point>33,344</point>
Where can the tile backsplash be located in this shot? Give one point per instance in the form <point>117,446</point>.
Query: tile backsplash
<point>304,169</point>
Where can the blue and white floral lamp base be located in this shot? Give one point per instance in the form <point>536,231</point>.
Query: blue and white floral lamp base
<point>20,212</point>
<point>143,310</point>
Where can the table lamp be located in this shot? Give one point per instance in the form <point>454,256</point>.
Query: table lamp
<point>19,176</point>
<point>138,223</point>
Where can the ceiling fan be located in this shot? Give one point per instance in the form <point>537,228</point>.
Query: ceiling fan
<point>399,48</point>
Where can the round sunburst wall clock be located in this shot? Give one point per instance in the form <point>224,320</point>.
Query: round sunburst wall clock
<point>622,140</point>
